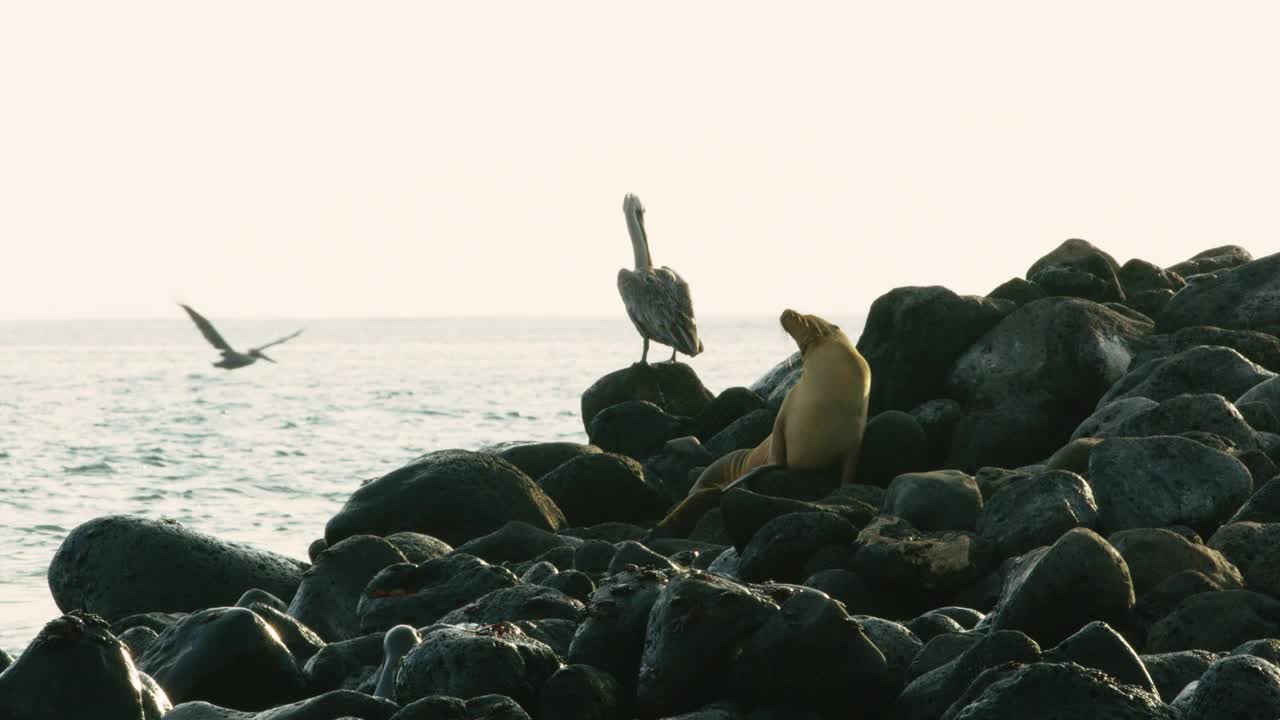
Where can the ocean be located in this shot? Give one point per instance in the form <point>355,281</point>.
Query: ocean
<point>128,417</point>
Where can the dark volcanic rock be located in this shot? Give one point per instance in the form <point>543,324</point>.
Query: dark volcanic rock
<point>1155,554</point>
<point>1203,369</point>
<point>845,586</point>
<point>604,487</point>
<point>1258,347</point>
<point>778,550</point>
<point>1032,378</point>
<point>674,387</point>
<point>611,636</point>
<point>335,705</point>
<point>1262,507</point>
<point>913,335</point>
<point>495,659</point>
<point>581,691</point>
<point>1212,260</point>
<point>555,633</point>
<point>454,495</point>
<point>1018,291</point>
<point>1090,278</point>
<point>101,568</point>
<point>1172,671</point>
<point>745,512</point>
<point>256,595</point>
<point>694,629</point>
<point>1216,621</point>
<point>934,501</point>
<point>1242,297</point>
<point>783,482</point>
<point>1097,646</point>
<point>420,594</point>
<point>516,542</point>
<point>1041,598</point>
<point>1158,481</point>
<point>519,602</point>
<point>226,656</point>
<point>897,643</point>
<point>811,655</point>
<point>1149,302</point>
<point>75,669</point>
<point>635,428</point>
<point>940,650</point>
<point>727,407</point>
<point>672,467</point>
<point>1234,687</point>
<point>1141,276</point>
<point>938,419</point>
<point>1184,414</point>
<point>1107,418</point>
<point>774,385</point>
<point>893,443</point>
<point>1036,511</point>
<point>930,625</point>
<point>1071,251</point>
<point>136,639</point>
<point>1266,392</point>
<point>1073,692</point>
<point>1252,548</point>
<point>633,553</point>
<point>747,431</point>
<point>538,459</point>
<point>929,695</point>
<point>326,600</point>
<point>419,548</point>
<point>345,665</point>
<point>301,641</point>
<point>915,571</point>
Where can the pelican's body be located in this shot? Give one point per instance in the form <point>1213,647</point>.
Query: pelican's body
<point>232,358</point>
<point>657,299</point>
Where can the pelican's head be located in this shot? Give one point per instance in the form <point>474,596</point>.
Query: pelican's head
<point>631,206</point>
<point>806,330</point>
<point>261,356</point>
<point>634,212</point>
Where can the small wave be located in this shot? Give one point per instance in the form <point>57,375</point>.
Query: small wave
<point>427,411</point>
<point>153,460</point>
<point>47,528</point>
<point>98,468</point>
<point>190,419</point>
<point>146,498</point>
<point>289,425</point>
<point>4,455</point>
<point>290,453</point>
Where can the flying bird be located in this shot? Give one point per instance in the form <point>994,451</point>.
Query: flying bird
<point>231,359</point>
<point>657,299</point>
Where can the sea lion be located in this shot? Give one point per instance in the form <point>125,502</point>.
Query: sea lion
<point>819,425</point>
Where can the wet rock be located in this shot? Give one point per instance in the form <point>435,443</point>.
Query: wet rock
<point>1234,687</point>
<point>1242,297</point>
<point>98,568</point>
<point>1097,646</point>
<point>966,617</point>
<point>419,548</point>
<point>635,428</point>
<point>893,443</point>
<point>913,335</point>
<point>519,602</point>
<point>345,665</point>
<point>935,501</point>
<point>1140,276</point>
<point>938,419</point>
<point>845,586</point>
<point>915,571</point>
<point>516,542</point>
<point>226,656</point>
<point>1018,291</point>
<point>728,406</point>
<point>1172,671</point>
<point>1212,260</point>
<point>1155,554</point>
<point>930,625</point>
<point>1252,548</point>
<point>1198,370</point>
<point>538,459</point>
<point>455,495</point>
<point>75,669</point>
<point>604,487</point>
<point>330,590</point>
<point>929,695</point>
<point>673,467</point>
<point>458,662</point>
<point>1157,481</point>
<point>747,431</point>
<point>1036,511</point>
<point>581,691</point>
<point>811,655</point>
<point>694,629</point>
<point>256,595</point>
<point>778,550</point>
<point>421,594</point>
<point>1074,693</point>
<point>1034,377</point>
<point>1071,251</point>
<point>339,704</point>
<point>301,641</point>
<point>612,634</point>
<point>1041,597</point>
<point>1216,621</point>
<point>898,644</point>
<point>673,387</point>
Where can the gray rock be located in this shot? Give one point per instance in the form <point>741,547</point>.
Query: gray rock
<point>632,553</point>
<point>418,548</point>
<point>1098,646</point>
<point>778,550</point>
<point>673,387</point>
<point>255,595</point>
<point>635,428</point>
<point>136,639</point>
<point>1242,297</point>
<point>1241,687</point>
<point>538,459</point>
<point>1261,507</point>
<point>939,651</point>
<point>1212,260</point>
<point>915,571</point>
<point>581,691</point>
<point>517,541</point>
<point>938,419</point>
<point>673,466</point>
<point>101,567</point>
<point>930,625</point>
<point>519,602</point>
<point>455,495</point>
<point>898,644</point>
<point>1108,417</point>
<point>1072,250</point>
<point>1198,370</point>
<point>893,443</point>
<point>929,695</point>
<point>1206,413</point>
<point>1258,347</point>
<point>345,665</point>
<point>1266,648</point>
<point>330,591</point>
<point>1171,672</point>
<point>496,659</point>
<point>1251,547</point>
<point>555,633</point>
<point>774,385</point>
<point>935,501</point>
<point>1266,392</point>
<point>1141,276</point>
<point>301,641</point>
<point>604,487</point>
<point>340,704</point>
<point>727,407</point>
<point>612,633</point>
<point>1074,693</point>
<point>1156,554</point>
<point>1216,621</point>
<point>1149,302</point>
<point>1018,291</point>
<point>421,594</point>
<point>1036,511</point>
<point>1158,481</point>
<point>745,432</point>
<point>857,596</point>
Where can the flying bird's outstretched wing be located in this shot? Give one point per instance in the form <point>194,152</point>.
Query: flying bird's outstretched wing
<point>286,338</point>
<point>207,329</point>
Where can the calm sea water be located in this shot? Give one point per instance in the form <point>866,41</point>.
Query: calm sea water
<point>110,417</point>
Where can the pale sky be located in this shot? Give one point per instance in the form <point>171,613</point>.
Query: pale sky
<point>416,158</point>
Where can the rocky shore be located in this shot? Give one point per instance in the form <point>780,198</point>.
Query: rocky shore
<point>1068,506</point>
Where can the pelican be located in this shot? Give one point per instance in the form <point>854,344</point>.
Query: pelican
<point>230,358</point>
<point>657,299</point>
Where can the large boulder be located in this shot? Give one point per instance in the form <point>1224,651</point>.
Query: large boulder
<point>338,704</point>
<point>1260,348</point>
<point>612,633</point>
<point>934,501</point>
<point>930,694</point>
<point>636,428</point>
<point>1156,554</point>
<point>1098,646</point>
<point>892,443</point>
<point>1204,413</point>
<point>604,487</point>
<point>326,600</point>
<point>1139,276</point>
<point>674,387</point>
<point>1203,369</point>
<point>914,571</point>
<point>468,663</point>
<point>421,594</point>
<point>118,565</point>
<point>1252,548</point>
<point>778,550</point>
<point>75,669</point>
<point>1030,380</point>
<point>454,495</point>
<point>728,406</point>
<point>1072,691</point>
<point>774,385</point>
<point>581,691</point>
<point>516,542</point>
<point>1242,297</point>
<point>538,459</point>
<point>1070,251</point>
<point>1164,480</point>
<point>1224,257</point>
<point>1241,686</point>
<point>1035,511</point>
<point>518,602</point>
<point>913,335</point>
<point>1216,621</point>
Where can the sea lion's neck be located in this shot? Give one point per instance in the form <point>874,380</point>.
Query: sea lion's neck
<point>639,240</point>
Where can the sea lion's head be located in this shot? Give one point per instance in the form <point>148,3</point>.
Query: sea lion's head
<point>806,330</point>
